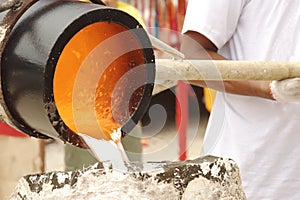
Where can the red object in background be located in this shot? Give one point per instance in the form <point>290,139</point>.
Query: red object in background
<point>181,118</point>
<point>9,131</point>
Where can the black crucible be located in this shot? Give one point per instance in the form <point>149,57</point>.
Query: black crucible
<point>60,55</point>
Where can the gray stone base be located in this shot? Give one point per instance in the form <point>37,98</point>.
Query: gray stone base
<point>203,178</point>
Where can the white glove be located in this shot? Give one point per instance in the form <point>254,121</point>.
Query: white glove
<point>286,91</point>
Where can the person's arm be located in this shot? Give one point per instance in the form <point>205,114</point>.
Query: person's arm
<point>197,46</point>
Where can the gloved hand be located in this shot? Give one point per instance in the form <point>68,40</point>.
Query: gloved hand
<point>286,91</point>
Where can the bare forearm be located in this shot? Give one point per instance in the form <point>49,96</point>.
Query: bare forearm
<point>249,88</point>
<point>207,51</point>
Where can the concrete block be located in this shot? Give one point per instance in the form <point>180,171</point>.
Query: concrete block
<point>205,178</point>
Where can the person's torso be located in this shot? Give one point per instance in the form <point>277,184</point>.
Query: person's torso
<point>261,134</point>
<point>266,30</point>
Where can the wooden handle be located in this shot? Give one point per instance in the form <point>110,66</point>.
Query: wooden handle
<point>170,69</point>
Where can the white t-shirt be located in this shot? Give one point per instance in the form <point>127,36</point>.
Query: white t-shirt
<point>262,136</point>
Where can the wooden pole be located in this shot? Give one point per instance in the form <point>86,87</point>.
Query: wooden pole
<point>170,69</point>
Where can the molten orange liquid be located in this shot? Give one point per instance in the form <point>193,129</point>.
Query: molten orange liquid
<point>109,104</point>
